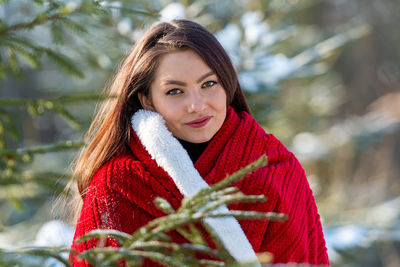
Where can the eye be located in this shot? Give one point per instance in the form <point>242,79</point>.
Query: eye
<point>174,91</point>
<point>208,84</point>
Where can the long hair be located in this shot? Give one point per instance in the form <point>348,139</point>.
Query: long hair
<point>110,129</point>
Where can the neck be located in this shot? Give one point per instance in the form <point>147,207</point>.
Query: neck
<point>194,149</point>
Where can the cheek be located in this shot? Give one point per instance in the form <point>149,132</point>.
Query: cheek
<point>220,100</point>
<point>171,112</point>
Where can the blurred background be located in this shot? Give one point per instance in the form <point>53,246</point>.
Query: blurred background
<point>322,75</point>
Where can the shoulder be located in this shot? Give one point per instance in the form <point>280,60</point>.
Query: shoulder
<point>276,150</point>
<point>290,179</point>
<point>117,173</point>
<point>250,132</point>
<point>289,176</point>
<point>283,173</point>
<point>254,140</point>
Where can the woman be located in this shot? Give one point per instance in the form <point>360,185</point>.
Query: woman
<point>178,96</point>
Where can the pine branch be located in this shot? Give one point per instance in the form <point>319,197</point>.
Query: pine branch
<point>30,54</point>
<point>11,173</point>
<point>262,161</point>
<point>37,107</point>
<point>219,244</point>
<point>44,252</point>
<point>59,16</point>
<point>133,10</point>
<point>233,198</point>
<point>66,10</point>
<point>48,102</point>
<point>326,47</point>
<point>99,233</point>
<point>64,62</point>
<point>68,116</point>
<point>60,146</point>
<point>74,26</point>
<point>29,57</point>
<point>196,236</point>
<point>44,17</point>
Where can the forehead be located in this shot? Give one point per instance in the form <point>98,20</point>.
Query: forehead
<point>185,64</point>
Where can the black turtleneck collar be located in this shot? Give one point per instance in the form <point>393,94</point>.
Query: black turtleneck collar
<point>194,150</point>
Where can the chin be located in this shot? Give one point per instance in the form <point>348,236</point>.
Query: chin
<point>197,140</point>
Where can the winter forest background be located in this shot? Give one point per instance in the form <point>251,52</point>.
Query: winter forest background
<point>321,75</point>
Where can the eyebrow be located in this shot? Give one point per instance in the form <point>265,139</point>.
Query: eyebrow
<point>184,84</point>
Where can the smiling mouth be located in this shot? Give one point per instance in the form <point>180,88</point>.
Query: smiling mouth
<point>199,123</point>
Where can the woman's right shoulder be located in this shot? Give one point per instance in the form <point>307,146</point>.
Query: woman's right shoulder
<point>118,172</point>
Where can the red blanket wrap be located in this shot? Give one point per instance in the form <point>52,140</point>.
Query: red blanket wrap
<point>122,191</point>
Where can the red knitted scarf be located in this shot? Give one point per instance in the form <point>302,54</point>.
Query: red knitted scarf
<point>139,180</point>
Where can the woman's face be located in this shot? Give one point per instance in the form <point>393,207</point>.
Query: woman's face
<point>189,96</point>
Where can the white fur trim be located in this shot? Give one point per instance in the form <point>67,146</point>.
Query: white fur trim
<point>166,150</point>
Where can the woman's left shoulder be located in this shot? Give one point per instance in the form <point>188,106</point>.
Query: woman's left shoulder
<point>288,169</point>
<point>261,140</point>
<point>275,150</point>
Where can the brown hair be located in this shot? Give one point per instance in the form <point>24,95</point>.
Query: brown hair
<point>110,129</point>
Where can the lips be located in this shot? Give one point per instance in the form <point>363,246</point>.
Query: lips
<point>199,122</point>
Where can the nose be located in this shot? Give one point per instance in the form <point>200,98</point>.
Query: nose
<point>196,103</point>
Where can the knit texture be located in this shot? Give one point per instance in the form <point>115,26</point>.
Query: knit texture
<point>122,192</point>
